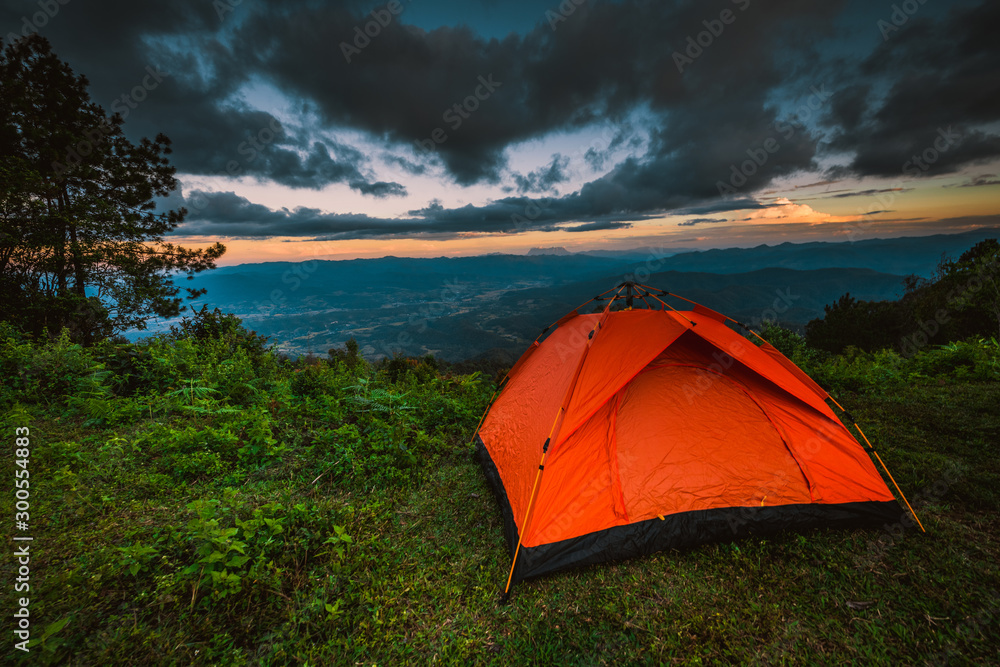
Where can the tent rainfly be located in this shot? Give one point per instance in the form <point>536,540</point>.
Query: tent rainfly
<point>627,432</point>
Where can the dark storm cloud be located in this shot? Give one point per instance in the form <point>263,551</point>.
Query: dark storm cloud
<point>866,193</point>
<point>462,99</point>
<point>409,166</point>
<point>941,91</point>
<point>700,221</point>
<point>229,214</point>
<point>453,97</point>
<point>595,158</point>
<point>597,226</point>
<point>982,179</point>
<point>724,206</point>
<point>542,180</point>
<point>191,97</point>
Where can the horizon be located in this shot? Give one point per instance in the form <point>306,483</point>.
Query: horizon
<point>665,252</point>
<point>435,128</point>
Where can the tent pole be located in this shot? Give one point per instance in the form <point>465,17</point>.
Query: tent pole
<point>506,377</point>
<point>577,308</point>
<point>908,506</point>
<point>545,448</point>
<point>668,306</point>
<point>531,503</point>
<point>846,413</point>
<point>881,462</point>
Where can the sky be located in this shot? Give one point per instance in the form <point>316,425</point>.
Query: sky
<point>334,130</point>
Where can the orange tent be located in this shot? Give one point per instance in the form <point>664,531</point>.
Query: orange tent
<point>631,431</point>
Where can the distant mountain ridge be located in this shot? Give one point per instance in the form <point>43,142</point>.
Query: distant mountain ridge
<point>461,307</point>
<point>904,255</point>
<point>548,251</point>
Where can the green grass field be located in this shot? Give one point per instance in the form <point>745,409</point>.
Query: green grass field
<point>202,502</point>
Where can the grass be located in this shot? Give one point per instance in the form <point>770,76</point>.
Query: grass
<point>304,529</point>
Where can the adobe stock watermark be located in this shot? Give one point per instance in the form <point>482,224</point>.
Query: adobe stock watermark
<point>32,24</point>
<point>254,145</point>
<point>696,44</point>
<point>532,211</point>
<point>723,360</point>
<point>917,165</point>
<point>910,344</point>
<point>901,13</point>
<point>123,104</point>
<point>706,377</point>
<point>223,7</point>
<point>458,113</point>
<point>565,519</point>
<point>740,173</point>
<point>250,149</point>
<point>565,9</point>
<point>450,293</point>
<point>825,434</point>
<point>653,263</point>
<point>363,35</point>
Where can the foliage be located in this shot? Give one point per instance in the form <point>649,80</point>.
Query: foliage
<point>869,325</point>
<point>962,300</point>
<point>349,355</point>
<point>331,514</point>
<point>81,243</point>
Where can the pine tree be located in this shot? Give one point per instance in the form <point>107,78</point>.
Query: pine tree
<point>81,243</point>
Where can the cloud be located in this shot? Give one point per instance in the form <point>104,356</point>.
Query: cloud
<point>785,210</point>
<point>197,97</point>
<point>921,102</point>
<point>597,226</point>
<point>595,158</point>
<point>982,179</point>
<point>700,221</point>
<point>866,193</point>
<point>542,180</point>
<point>544,81</point>
<point>473,97</point>
<point>380,189</point>
<point>723,206</point>
<point>409,166</point>
<point>816,184</point>
<point>229,214</point>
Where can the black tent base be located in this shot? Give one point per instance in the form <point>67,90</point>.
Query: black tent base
<point>682,530</point>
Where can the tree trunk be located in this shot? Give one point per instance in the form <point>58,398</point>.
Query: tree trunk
<point>79,275</point>
<point>59,247</point>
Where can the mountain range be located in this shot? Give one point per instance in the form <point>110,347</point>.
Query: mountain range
<point>463,307</point>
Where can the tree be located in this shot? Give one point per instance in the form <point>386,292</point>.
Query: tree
<point>869,325</point>
<point>974,281</point>
<point>961,300</point>
<point>81,243</point>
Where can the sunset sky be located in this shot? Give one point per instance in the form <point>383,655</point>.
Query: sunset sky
<point>438,127</point>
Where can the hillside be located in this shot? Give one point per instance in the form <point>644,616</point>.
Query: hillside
<point>197,500</point>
